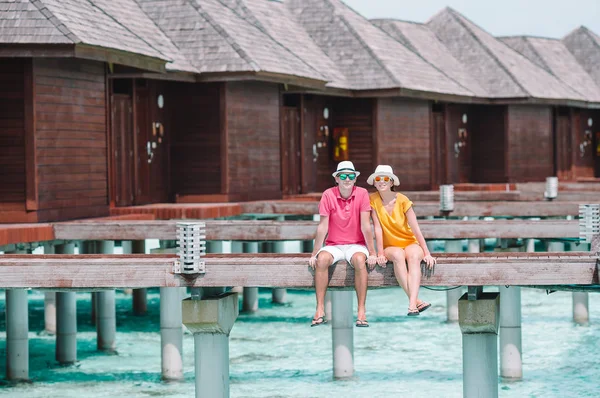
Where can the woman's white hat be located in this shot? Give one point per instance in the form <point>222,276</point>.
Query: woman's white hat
<point>383,170</point>
<point>345,166</point>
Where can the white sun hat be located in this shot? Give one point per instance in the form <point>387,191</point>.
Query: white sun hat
<point>383,170</point>
<point>345,166</point>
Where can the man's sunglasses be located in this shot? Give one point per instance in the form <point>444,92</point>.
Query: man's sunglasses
<point>382,178</point>
<point>348,176</point>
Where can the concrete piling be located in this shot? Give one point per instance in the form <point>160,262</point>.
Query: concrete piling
<point>250,298</point>
<point>342,333</point>
<point>17,340</point>
<point>511,353</point>
<point>452,295</point>
<point>479,321</point>
<point>49,302</point>
<point>106,316</point>
<point>171,334</point>
<point>66,319</point>
<point>581,312</point>
<point>211,320</point>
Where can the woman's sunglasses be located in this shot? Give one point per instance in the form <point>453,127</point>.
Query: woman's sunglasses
<point>382,178</point>
<point>348,176</point>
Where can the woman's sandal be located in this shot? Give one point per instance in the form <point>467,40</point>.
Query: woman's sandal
<point>413,312</point>
<point>423,306</point>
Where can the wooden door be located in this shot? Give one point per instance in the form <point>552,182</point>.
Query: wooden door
<point>317,160</point>
<point>122,143</point>
<point>143,149</point>
<point>458,144</point>
<point>151,143</point>
<point>438,155</point>
<point>290,151</point>
<point>563,148</point>
<point>158,135</point>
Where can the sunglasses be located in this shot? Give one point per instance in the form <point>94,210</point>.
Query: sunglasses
<point>348,176</point>
<point>382,178</point>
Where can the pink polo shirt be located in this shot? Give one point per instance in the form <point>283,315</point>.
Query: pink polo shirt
<point>344,215</point>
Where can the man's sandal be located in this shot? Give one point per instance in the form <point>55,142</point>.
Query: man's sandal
<point>318,321</point>
<point>362,323</point>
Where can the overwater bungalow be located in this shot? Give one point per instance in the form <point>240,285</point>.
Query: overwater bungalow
<point>575,154</point>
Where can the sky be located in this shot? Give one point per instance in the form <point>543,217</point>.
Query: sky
<point>546,18</point>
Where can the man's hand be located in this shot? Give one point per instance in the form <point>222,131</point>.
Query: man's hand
<point>382,260</point>
<point>371,261</point>
<point>313,261</point>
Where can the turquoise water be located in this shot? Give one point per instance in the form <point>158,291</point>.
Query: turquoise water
<point>275,353</point>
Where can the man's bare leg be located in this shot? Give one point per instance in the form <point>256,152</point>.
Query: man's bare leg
<point>360,283</point>
<point>324,261</point>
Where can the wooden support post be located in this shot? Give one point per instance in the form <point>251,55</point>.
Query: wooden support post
<point>211,320</point>
<point>342,333</point>
<point>478,320</point>
<point>250,299</point>
<point>452,295</point>
<point>49,302</point>
<point>106,316</point>
<point>140,296</point>
<point>66,319</point>
<point>17,330</point>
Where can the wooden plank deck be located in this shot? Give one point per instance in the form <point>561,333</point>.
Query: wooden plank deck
<point>276,270</point>
<point>461,209</point>
<point>305,230</point>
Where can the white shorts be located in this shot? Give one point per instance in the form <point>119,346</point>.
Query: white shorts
<point>344,252</point>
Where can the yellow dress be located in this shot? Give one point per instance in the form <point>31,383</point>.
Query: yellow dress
<point>396,231</point>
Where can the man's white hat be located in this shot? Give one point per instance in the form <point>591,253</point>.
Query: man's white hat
<point>345,166</point>
<point>383,170</point>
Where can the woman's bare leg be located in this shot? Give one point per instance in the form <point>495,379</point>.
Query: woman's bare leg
<point>414,254</point>
<point>396,255</point>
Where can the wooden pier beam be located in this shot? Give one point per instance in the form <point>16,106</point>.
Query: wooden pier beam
<point>290,270</point>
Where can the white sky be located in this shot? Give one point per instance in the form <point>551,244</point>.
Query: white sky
<point>547,18</point>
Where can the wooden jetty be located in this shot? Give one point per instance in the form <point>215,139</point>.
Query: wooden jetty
<point>291,270</point>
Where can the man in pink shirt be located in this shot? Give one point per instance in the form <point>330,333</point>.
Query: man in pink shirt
<point>345,220</point>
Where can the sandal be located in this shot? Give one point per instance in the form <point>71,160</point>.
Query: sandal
<point>413,312</point>
<point>423,306</point>
<point>362,323</point>
<point>318,321</point>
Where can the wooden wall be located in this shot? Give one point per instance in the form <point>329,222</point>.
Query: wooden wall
<point>195,122</point>
<point>530,145</point>
<point>252,141</point>
<point>71,138</point>
<point>403,141</point>
<point>12,131</point>
<point>563,144</point>
<point>488,144</point>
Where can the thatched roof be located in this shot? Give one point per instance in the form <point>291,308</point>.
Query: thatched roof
<point>419,38</point>
<point>502,71</point>
<point>553,56</point>
<point>585,47</point>
<point>369,58</point>
<point>218,37</point>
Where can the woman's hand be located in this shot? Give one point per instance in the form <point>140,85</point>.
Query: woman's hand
<point>382,260</point>
<point>429,260</point>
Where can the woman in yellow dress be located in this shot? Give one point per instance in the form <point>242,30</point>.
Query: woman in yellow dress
<point>398,236</point>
